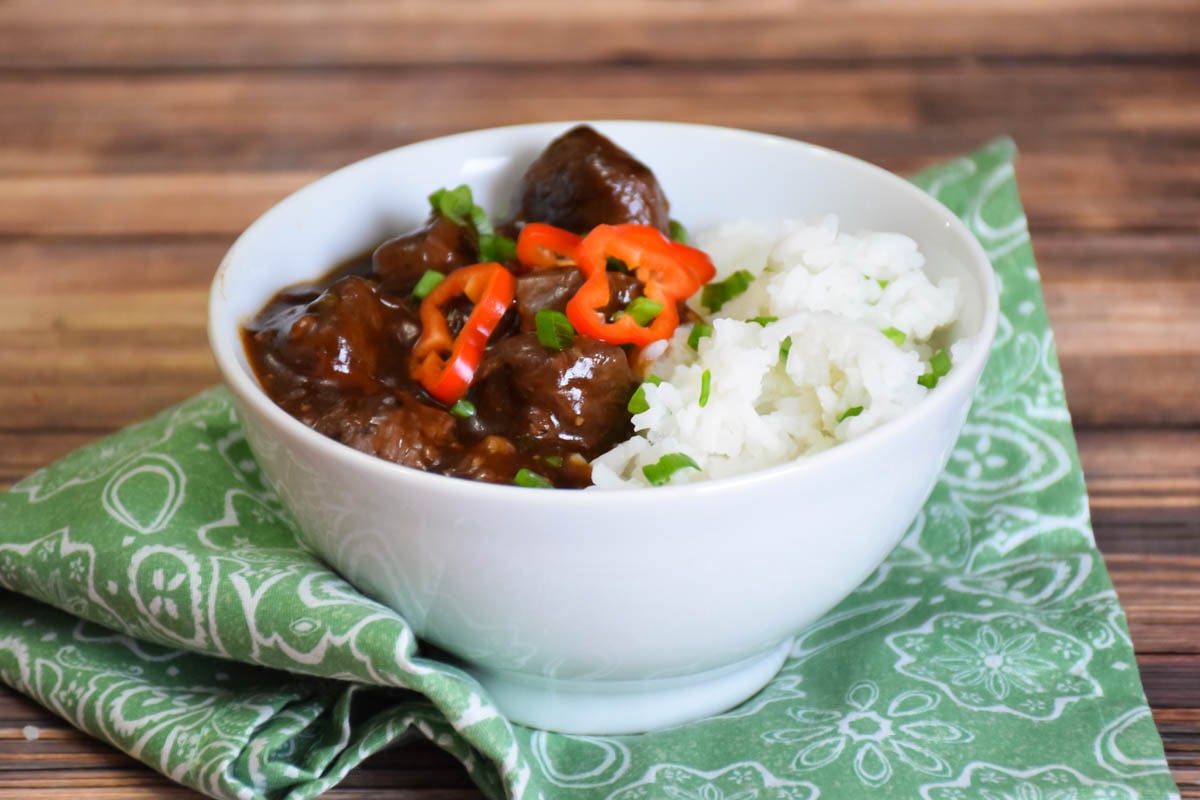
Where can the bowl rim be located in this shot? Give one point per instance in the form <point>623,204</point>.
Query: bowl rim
<point>960,380</point>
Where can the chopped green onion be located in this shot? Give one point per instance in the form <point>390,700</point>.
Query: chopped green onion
<point>678,232</point>
<point>853,411</point>
<point>494,247</point>
<point>459,207</point>
<point>895,334</point>
<point>554,330</point>
<point>455,204</point>
<point>764,321</point>
<point>940,363</point>
<point>661,471</point>
<point>699,331</point>
<point>425,285</point>
<point>463,408</point>
<point>785,347</point>
<point>718,294</point>
<point>705,387</point>
<point>483,226</point>
<point>553,461</point>
<point>613,264</point>
<point>527,477</point>
<point>643,310</point>
<point>637,404</point>
<point>883,284</point>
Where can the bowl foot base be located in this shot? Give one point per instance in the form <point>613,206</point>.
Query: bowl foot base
<point>615,707</point>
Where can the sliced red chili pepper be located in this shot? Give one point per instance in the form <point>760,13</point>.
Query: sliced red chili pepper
<point>541,245</point>
<point>670,273</point>
<point>443,364</point>
<point>694,261</point>
<point>679,269</point>
<point>585,311</point>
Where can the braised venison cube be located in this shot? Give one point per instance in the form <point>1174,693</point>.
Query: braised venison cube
<point>575,397</point>
<point>440,245</point>
<point>582,180</point>
<point>345,339</point>
<point>552,288</point>
<point>397,427</point>
<point>545,289</point>
<point>623,289</point>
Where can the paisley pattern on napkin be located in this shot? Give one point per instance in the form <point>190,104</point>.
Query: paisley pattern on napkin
<point>987,658</point>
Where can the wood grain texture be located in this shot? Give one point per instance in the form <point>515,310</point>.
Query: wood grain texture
<point>312,34</point>
<point>138,137</point>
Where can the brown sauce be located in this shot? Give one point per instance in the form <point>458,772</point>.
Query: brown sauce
<point>334,353</point>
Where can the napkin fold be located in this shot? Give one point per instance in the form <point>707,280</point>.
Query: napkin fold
<point>158,599</point>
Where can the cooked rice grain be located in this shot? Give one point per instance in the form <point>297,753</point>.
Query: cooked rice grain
<point>833,294</point>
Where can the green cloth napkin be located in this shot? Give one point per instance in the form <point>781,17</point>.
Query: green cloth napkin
<point>987,658</point>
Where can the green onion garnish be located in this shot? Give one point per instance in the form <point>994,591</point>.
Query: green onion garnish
<point>612,264</point>
<point>554,461</point>
<point>483,226</point>
<point>493,247</point>
<point>785,347</point>
<point>459,207</point>
<point>527,477</point>
<point>463,408</point>
<point>643,310</point>
<point>678,233</point>
<point>882,283</point>
<point>699,331</point>
<point>764,321</point>
<point>705,387</point>
<point>637,404</point>
<point>853,411</point>
<point>716,295</point>
<point>554,330</point>
<point>430,279</point>
<point>940,363</point>
<point>661,471</point>
<point>895,334</point>
<point>455,204</point>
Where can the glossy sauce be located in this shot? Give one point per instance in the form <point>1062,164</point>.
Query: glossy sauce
<point>335,352</point>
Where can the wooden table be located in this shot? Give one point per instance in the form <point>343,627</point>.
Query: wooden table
<point>137,138</point>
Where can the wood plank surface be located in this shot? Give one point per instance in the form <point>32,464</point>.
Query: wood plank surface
<point>138,137</point>
<point>310,35</point>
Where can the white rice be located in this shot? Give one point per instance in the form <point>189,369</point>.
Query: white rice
<point>834,294</point>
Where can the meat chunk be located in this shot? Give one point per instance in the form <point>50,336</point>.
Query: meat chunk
<point>623,289</point>
<point>440,244</point>
<point>582,180</point>
<point>399,428</point>
<point>576,397</point>
<point>345,339</point>
<point>553,288</point>
<point>545,288</point>
<point>333,338</point>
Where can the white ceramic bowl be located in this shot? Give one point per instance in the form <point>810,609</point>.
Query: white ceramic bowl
<point>597,612</point>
